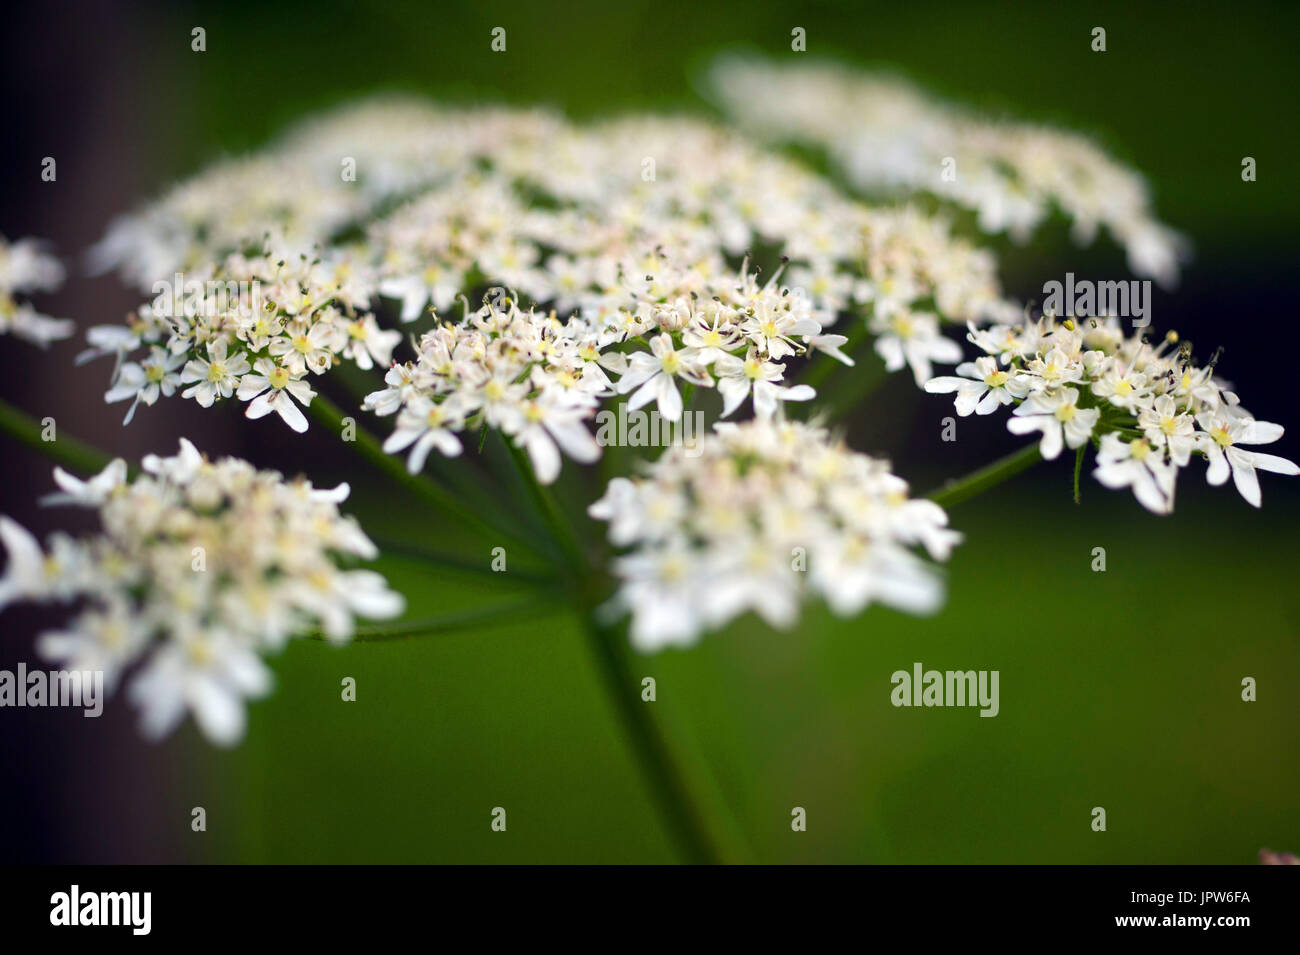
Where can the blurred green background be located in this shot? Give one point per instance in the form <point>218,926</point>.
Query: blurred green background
<point>1118,689</point>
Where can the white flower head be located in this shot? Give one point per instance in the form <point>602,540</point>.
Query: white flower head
<point>25,267</point>
<point>1150,409</point>
<point>1060,419</point>
<point>199,569</point>
<point>766,514</point>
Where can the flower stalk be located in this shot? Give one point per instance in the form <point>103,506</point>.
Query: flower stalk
<point>529,609</point>
<point>649,745</point>
<point>67,451</point>
<point>369,448</point>
<point>963,489</point>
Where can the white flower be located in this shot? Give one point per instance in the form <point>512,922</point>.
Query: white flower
<point>106,640</point>
<point>883,134</point>
<point>217,376</point>
<point>401,387</point>
<point>712,340</point>
<point>304,347</point>
<point>334,597</point>
<point>759,516</point>
<point>737,377</point>
<point>423,426</point>
<point>1123,388</point>
<point>750,575</point>
<point>439,284</point>
<point>621,267</point>
<point>368,344</point>
<point>116,340</point>
<point>982,388</point>
<point>554,422</point>
<point>25,572</point>
<point>664,598</point>
<point>829,288</point>
<point>649,377</point>
<point>25,268</point>
<point>24,321</point>
<point>1225,433</point>
<point>269,389</point>
<point>271,304</point>
<point>830,345</point>
<point>919,521</point>
<point>181,468</point>
<point>1165,427</point>
<point>621,508</point>
<point>906,338</point>
<point>91,493</point>
<point>146,380</point>
<point>207,673</point>
<point>1138,465</point>
<point>1154,393</point>
<point>1053,369</point>
<point>199,567</point>
<point>1058,417</point>
<point>853,573</point>
<point>773,330</point>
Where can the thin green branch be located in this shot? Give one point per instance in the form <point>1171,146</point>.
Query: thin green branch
<point>559,526</point>
<point>458,563</point>
<point>649,744</point>
<point>962,489</point>
<point>610,646</point>
<point>1078,469</point>
<point>70,452</point>
<point>449,623</point>
<point>368,446</point>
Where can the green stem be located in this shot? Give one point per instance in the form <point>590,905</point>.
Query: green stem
<point>67,451</point>
<point>556,523</point>
<point>649,744</point>
<point>449,623</point>
<point>961,489</point>
<point>368,446</point>
<point>610,647</point>
<point>1078,468</point>
<point>457,563</point>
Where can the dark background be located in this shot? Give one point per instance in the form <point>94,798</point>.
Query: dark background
<point>1120,690</point>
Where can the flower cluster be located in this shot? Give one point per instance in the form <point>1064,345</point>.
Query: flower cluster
<point>199,569</point>
<point>24,269</point>
<point>883,135</point>
<point>1149,409</point>
<point>254,326</point>
<point>320,178</point>
<point>759,515</point>
<point>536,377</point>
<point>558,222</point>
<point>572,219</point>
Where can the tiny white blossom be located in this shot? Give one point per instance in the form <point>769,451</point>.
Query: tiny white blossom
<point>1059,418</point>
<point>1225,434</point>
<point>270,387</point>
<point>190,635</point>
